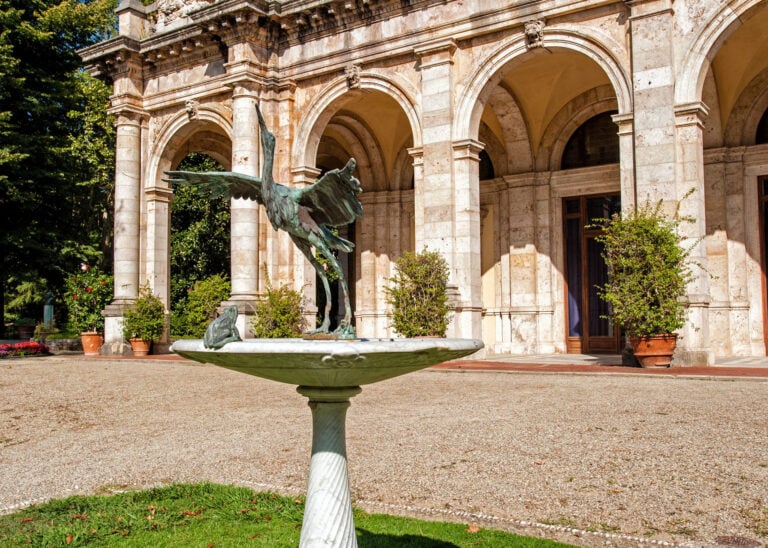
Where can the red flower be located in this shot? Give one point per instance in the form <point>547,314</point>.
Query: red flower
<point>74,296</point>
<point>89,289</point>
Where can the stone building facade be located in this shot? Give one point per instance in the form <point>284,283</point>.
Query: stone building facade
<point>489,130</point>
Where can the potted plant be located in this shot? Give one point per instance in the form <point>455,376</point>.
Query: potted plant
<point>418,295</point>
<point>25,327</point>
<point>88,292</point>
<point>648,271</point>
<point>144,321</point>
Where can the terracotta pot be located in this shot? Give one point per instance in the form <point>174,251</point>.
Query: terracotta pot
<point>140,347</point>
<point>654,350</point>
<point>92,342</point>
<point>25,332</point>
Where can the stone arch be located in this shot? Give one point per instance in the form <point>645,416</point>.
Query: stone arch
<point>716,30</point>
<point>321,110</point>
<point>745,116</point>
<point>568,120</point>
<point>482,81</point>
<point>212,133</point>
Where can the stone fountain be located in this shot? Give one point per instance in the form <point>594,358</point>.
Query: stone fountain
<point>329,368</point>
<point>328,373</point>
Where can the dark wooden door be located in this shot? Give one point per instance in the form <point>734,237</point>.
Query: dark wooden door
<point>588,331</point>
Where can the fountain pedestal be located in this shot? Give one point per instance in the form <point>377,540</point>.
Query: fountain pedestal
<point>328,519</point>
<point>329,373</point>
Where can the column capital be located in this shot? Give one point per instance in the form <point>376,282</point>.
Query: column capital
<point>417,153</point>
<point>304,175</point>
<point>467,149</point>
<point>689,114</point>
<point>640,9</point>
<point>244,85</point>
<point>127,114</point>
<point>626,122</point>
<point>158,194</point>
<point>436,53</point>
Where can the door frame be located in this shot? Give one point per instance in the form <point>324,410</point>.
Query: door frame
<point>586,343</point>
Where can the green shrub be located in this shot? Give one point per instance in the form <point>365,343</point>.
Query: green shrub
<point>279,313</point>
<point>418,295</point>
<point>88,292</point>
<point>145,318</point>
<point>203,299</point>
<point>648,271</point>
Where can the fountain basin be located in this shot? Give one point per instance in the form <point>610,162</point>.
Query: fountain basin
<point>329,373</point>
<point>328,363</point>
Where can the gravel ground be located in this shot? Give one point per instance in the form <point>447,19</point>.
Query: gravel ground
<point>587,459</point>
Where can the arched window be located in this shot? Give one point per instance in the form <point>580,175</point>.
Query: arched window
<point>595,143</point>
<point>762,130</point>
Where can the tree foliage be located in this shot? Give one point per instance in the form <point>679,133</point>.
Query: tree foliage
<point>199,241</point>
<point>56,141</point>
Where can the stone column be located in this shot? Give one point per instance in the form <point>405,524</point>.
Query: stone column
<point>694,346</point>
<point>244,221</point>
<point>127,225</point>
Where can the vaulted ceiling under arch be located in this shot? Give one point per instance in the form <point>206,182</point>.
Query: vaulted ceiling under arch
<point>371,127</point>
<point>541,85</point>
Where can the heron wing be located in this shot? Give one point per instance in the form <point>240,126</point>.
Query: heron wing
<point>332,200</point>
<point>219,184</point>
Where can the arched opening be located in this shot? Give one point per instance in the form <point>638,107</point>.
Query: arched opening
<point>199,244</point>
<point>545,113</point>
<point>371,127</point>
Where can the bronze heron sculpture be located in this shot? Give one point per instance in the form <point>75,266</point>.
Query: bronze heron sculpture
<point>307,214</point>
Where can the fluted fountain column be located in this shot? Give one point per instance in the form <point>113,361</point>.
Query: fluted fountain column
<point>328,519</point>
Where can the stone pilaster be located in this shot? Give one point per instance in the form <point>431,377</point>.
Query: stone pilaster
<point>434,198</point>
<point>653,83</point>
<point>466,240</point>
<point>625,123</point>
<point>694,344</point>
<point>447,201</point>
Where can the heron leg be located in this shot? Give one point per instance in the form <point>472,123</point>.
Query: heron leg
<point>345,329</point>
<point>306,249</point>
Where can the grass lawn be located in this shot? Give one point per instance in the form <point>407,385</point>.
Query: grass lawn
<point>208,515</point>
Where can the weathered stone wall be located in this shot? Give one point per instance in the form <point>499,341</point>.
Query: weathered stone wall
<point>424,94</point>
